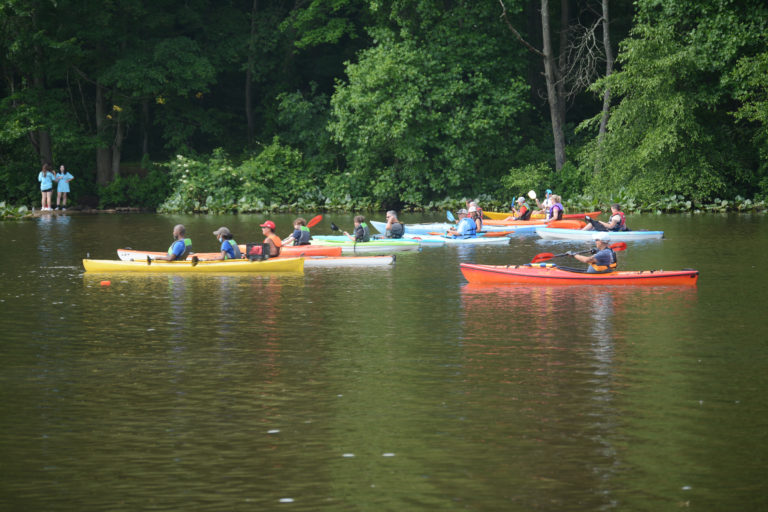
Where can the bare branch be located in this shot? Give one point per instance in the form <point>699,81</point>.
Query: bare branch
<point>517,34</point>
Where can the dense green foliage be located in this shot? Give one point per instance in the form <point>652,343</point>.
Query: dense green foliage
<point>351,104</point>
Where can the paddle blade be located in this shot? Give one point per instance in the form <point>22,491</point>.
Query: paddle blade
<point>195,261</point>
<point>544,256</point>
<point>314,220</point>
<point>532,194</point>
<point>149,260</point>
<point>334,227</point>
<point>619,246</point>
<point>450,216</point>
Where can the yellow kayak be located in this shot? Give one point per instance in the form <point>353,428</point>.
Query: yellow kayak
<point>271,265</point>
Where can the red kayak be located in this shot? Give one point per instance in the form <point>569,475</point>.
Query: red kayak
<point>547,273</point>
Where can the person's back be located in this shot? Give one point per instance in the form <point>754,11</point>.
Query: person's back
<point>362,233</point>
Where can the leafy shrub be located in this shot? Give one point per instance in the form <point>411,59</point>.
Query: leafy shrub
<point>142,192</point>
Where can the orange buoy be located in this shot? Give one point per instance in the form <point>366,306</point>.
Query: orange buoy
<point>105,283</point>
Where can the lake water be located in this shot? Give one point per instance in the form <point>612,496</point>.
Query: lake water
<point>381,389</point>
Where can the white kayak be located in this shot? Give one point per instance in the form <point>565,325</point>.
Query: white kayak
<point>442,227</point>
<point>477,240</point>
<point>580,234</point>
<point>431,242</point>
<point>387,246</point>
<point>348,261</point>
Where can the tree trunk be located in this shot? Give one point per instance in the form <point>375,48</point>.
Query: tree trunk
<point>251,122</point>
<point>562,61</point>
<point>552,96</point>
<point>103,152</point>
<point>145,125</point>
<point>117,147</point>
<point>608,69</point>
<point>42,137</point>
<point>607,92</point>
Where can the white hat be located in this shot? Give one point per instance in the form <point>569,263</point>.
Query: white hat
<point>603,236</point>
<point>521,199</point>
<point>473,208</point>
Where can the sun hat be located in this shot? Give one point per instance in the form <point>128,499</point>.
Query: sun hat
<point>521,199</point>
<point>463,210</point>
<point>603,236</point>
<point>472,209</point>
<point>222,231</point>
<point>269,224</point>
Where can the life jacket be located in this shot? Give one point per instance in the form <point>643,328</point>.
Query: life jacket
<point>622,225</point>
<point>550,213</point>
<point>276,242</point>
<point>524,213</point>
<point>235,250</point>
<point>606,268</point>
<point>396,230</point>
<point>362,233</point>
<point>304,236</point>
<point>187,249</point>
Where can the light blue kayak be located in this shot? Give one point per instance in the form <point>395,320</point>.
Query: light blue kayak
<point>579,234</point>
<point>442,227</point>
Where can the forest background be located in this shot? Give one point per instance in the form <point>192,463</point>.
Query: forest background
<point>257,105</point>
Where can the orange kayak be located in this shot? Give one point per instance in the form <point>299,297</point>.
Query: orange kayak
<point>547,273</point>
<point>537,222</point>
<point>286,252</point>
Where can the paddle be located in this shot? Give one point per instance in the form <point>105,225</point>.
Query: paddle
<point>483,233</point>
<point>532,194</point>
<point>544,256</point>
<point>450,216</point>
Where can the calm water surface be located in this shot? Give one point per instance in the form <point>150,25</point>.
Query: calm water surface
<point>398,388</point>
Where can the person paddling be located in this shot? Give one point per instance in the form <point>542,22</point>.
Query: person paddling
<point>181,246</point>
<point>301,234</point>
<point>362,233</point>
<point>229,248</point>
<point>522,212</point>
<point>604,260</point>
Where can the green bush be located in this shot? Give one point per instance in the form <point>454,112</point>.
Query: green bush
<point>141,192</point>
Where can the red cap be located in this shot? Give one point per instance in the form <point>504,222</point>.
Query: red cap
<point>269,224</point>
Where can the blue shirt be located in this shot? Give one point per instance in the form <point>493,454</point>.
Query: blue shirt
<point>467,227</point>
<point>603,258</point>
<point>46,180</point>
<point>226,246</point>
<point>62,178</point>
<point>178,248</point>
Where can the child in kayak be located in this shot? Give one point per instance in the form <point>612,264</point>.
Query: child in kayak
<point>229,248</point>
<point>362,233</point>
<point>300,235</point>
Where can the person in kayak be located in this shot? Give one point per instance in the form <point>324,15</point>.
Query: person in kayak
<point>466,228</point>
<point>181,246</point>
<point>271,239</point>
<point>229,248</point>
<point>394,228</point>
<point>476,217</point>
<point>604,259</point>
<point>544,206</point>
<point>555,212</point>
<point>362,233</point>
<point>300,235</point>
<point>522,212</point>
<point>617,222</point>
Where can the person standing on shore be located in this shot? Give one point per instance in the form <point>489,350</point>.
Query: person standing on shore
<point>46,179</point>
<point>63,177</point>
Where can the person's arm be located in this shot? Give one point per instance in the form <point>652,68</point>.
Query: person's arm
<point>612,224</point>
<point>584,258</point>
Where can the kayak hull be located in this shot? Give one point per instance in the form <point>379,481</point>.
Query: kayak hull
<point>536,222</point>
<point>442,227</point>
<point>577,234</point>
<point>349,261</point>
<point>373,247</point>
<point>551,274</point>
<point>239,266</point>
<point>536,216</point>
<point>307,250</point>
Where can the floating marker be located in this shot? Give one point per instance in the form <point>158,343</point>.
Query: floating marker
<point>105,283</point>
<point>273,431</point>
<point>286,500</point>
